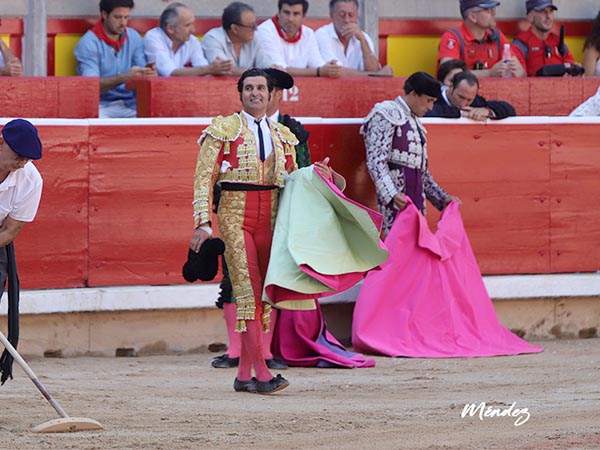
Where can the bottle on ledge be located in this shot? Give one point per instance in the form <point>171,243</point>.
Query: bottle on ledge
<point>506,55</point>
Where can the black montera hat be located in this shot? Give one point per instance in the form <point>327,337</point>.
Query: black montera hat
<point>279,78</point>
<point>203,265</point>
<point>423,83</point>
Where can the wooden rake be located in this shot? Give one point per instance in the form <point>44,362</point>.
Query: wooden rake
<point>65,423</point>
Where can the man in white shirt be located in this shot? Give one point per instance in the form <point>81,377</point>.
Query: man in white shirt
<point>589,108</point>
<point>176,51</point>
<point>289,45</point>
<point>20,192</point>
<point>343,40</point>
<point>234,40</point>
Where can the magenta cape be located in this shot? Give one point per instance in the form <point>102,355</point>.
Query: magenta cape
<point>302,340</point>
<point>428,299</point>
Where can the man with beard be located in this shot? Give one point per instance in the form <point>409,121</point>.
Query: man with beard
<point>540,46</point>
<point>114,53</point>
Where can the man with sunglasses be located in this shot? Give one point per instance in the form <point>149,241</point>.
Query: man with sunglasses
<point>234,40</point>
<point>478,43</point>
<point>539,46</point>
<point>175,50</point>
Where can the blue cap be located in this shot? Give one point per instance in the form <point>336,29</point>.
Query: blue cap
<point>485,4</point>
<point>22,137</point>
<point>539,5</point>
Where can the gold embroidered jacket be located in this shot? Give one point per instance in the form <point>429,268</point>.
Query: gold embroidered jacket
<point>228,154</point>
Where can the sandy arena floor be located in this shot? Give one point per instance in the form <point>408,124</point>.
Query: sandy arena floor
<point>179,402</point>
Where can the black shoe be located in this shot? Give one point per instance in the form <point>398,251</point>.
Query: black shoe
<point>276,364</point>
<point>225,362</point>
<point>245,386</point>
<point>273,385</point>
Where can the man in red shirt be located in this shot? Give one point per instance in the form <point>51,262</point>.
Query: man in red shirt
<point>539,46</point>
<point>478,43</point>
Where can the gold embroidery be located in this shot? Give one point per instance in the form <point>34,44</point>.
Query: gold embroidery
<point>224,128</point>
<point>207,171</point>
<point>231,220</point>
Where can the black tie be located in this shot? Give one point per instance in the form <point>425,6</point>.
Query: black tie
<point>261,141</point>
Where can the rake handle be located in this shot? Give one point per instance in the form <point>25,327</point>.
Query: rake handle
<point>32,376</point>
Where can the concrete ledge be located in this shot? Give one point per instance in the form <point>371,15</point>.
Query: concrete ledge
<point>198,296</point>
<point>183,318</point>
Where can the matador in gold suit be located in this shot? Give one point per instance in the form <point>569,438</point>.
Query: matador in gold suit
<point>230,155</point>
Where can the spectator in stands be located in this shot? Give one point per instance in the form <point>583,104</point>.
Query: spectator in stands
<point>591,51</point>
<point>289,45</point>
<point>461,99</point>
<point>114,53</point>
<point>539,46</point>
<point>448,69</point>
<point>10,65</point>
<point>343,40</point>
<point>176,51</point>
<point>234,40</point>
<point>589,108</point>
<point>478,43</point>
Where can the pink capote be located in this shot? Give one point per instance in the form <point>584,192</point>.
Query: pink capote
<point>428,299</point>
<point>302,340</point>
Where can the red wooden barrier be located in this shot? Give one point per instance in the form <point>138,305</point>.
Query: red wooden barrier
<point>310,97</point>
<point>116,208</point>
<point>41,97</point>
<point>350,97</point>
<point>14,28</point>
<point>53,250</point>
<point>77,97</point>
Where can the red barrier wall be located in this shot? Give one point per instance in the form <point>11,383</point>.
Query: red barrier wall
<point>350,97</point>
<point>116,207</point>
<point>64,97</point>
<point>14,28</point>
<point>77,97</point>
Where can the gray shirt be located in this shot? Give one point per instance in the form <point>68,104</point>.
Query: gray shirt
<point>216,43</point>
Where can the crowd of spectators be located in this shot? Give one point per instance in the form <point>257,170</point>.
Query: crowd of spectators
<point>117,53</point>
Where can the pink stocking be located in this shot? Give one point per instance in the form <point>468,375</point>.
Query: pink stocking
<point>235,341</point>
<point>252,353</point>
<point>268,337</point>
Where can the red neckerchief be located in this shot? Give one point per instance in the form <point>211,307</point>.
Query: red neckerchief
<point>282,34</point>
<point>100,32</point>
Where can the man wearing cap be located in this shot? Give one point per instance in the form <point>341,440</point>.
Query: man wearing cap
<point>478,43</point>
<point>539,45</point>
<point>397,150</point>
<point>20,192</point>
